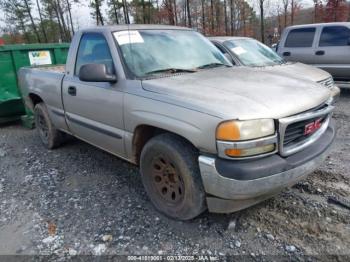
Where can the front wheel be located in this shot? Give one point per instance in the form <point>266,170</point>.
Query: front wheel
<point>171,177</point>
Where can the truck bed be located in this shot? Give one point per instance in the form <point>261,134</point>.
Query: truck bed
<point>44,81</point>
<point>54,68</point>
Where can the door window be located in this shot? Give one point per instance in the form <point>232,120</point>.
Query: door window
<point>301,37</point>
<point>335,36</point>
<point>93,49</point>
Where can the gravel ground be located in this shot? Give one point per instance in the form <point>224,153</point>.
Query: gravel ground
<point>80,200</point>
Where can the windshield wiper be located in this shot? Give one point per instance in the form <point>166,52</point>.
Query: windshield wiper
<point>171,71</point>
<point>212,65</point>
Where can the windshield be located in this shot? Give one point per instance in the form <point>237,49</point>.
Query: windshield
<point>253,53</point>
<point>151,52</point>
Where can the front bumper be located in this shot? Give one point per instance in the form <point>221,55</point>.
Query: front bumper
<point>235,185</point>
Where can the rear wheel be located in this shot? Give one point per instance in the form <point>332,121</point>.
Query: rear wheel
<point>49,135</point>
<point>171,177</point>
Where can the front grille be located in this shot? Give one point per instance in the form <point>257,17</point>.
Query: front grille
<point>328,82</point>
<point>295,132</point>
<point>293,137</point>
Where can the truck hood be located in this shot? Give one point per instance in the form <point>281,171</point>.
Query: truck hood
<point>239,93</point>
<point>298,70</point>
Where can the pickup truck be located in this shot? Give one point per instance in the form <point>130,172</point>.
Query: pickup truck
<point>203,133</point>
<point>324,45</point>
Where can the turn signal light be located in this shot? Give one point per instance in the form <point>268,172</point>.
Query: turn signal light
<point>249,151</point>
<point>228,131</point>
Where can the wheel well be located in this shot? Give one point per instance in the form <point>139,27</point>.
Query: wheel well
<point>142,135</point>
<point>35,99</point>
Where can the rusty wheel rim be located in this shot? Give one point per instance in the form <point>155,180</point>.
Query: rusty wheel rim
<point>167,180</point>
<point>43,128</point>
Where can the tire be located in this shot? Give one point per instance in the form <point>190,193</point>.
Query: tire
<point>171,177</point>
<point>49,135</point>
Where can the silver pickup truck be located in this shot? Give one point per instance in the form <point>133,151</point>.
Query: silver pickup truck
<point>245,51</point>
<point>204,134</point>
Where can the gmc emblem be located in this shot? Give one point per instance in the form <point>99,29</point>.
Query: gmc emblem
<point>312,127</point>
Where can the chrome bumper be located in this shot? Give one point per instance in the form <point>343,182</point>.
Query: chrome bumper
<point>227,195</point>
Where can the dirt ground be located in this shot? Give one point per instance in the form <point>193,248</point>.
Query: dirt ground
<point>80,200</point>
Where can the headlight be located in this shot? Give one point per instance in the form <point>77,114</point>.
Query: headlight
<point>236,139</point>
<point>245,130</point>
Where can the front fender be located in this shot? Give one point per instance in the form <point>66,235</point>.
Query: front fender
<point>196,127</point>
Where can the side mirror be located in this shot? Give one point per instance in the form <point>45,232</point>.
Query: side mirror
<point>96,73</point>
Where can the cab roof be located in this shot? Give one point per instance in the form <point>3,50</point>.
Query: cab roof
<point>226,38</point>
<point>319,24</point>
<point>112,28</point>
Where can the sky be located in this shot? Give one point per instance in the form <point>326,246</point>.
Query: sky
<point>80,12</point>
<point>83,19</point>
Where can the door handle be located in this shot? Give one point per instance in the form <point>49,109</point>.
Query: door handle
<point>320,52</point>
<point>286,53</point>
<point>72,90</point>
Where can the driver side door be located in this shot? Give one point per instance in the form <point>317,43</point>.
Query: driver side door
<point>94,110</point>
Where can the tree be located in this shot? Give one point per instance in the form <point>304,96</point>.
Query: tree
<point>262,20</point>
<point>225,16</point>
<point>60,13</point>
<point>43,24</point>
<point>294,8</point>
<point>318,11</point>
<point>231,16</point>
<point>51,12</point>
<point>28,8</point>
<point>279,19</point>
<point>57,13</point>
<point>113,12</point>
<point>244,16</point>
<point>95,5</point>
<point>212,15</point>
<point>41,21</point>
<point>52,20</point>
<point>188,13</point>
<point>218,16</point>
<point>142,12</point>
<point>203,16</point>
<point>168,7</point>
<point>69,9</point>
<point>285,11</point>
<point>175,12</point>
<point>126,12</point>
<point>15,18</point>
<point>336,11</point>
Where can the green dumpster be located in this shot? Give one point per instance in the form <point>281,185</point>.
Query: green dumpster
<point>12,58</point>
